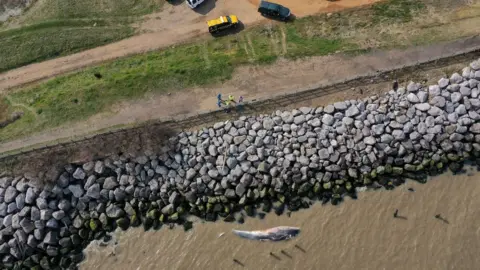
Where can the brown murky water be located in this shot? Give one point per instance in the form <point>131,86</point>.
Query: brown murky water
<point>359,234</point>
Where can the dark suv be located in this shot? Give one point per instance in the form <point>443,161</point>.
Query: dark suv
<point>268,9</point>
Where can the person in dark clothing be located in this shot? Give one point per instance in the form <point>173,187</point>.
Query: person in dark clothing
<point>395,85</point>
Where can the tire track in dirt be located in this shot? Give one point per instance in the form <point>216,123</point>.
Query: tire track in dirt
<point>284,40</point>
<point>205,55</point>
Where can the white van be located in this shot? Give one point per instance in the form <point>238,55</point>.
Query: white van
<point>194,3</point>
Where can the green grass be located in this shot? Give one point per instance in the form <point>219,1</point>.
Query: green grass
<point>76,97</point>
<point>54,28</point>
<point>47,40</point>
<point>68,9</point>
<point>397,10</point>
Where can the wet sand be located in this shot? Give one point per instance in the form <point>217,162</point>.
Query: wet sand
<point>359,234</point>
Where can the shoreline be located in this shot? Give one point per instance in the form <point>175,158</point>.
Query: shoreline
<point>359,234</point>
<point>269,163</point>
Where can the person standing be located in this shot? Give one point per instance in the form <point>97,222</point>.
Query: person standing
<point>231,98</point>
<point>240,105</point>
<point>227,106</point>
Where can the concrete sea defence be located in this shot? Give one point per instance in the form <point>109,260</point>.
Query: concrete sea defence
<point>283,160</point>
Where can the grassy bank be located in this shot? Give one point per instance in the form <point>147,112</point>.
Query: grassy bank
<point>67,9</point>
<point>53,28</point>
<point>78,96</point>
<point>51,39</point>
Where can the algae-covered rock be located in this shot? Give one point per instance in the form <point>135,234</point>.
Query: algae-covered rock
<point>397,170</point>
<point>123,223</point>
<point>226,209</point>
<point>327,185</point>
<point>281,198</point>
<point>410,167</point>
<point>453,157</point>
<point>162,218</point>
<point>426,162</point>
<point>278,207</point>
<point>229,218</point>
<point>263,192</point>
<point>266,206</point>
<point>239,218</point>
<point>211,217</point>
<point>388,168</point>
<point>348,186</point>
<point>243,200</point>
<point>380,170</point>
<point>174,217</point>
<point>249,210</point>
<point>218,208</point>
<point>271,192</point>
<point>317,188</point>
<point>304,188</point>
<point>147,224</point>
<point>153,214</point>
<point>367,180</point>
<point>94,224</point>
<point>339,181</point>
<point>222,199</point>
<point>187,225</point>
<point>209,207</point>
<point>420,168</point>
<point>134,221</point>
<point>455,167</point>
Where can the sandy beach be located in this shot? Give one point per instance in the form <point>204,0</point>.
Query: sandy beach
<point>359,234</point>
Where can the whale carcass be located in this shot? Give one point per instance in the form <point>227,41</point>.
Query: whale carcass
<point>274,234</point>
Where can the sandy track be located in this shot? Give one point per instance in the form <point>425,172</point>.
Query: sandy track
<point>175,24</point>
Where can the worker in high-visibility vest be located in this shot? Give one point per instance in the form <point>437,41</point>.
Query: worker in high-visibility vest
<point>227,106</point>
<point>231,99</point>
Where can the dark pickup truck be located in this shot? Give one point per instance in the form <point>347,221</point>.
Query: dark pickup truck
<point>273,10</point>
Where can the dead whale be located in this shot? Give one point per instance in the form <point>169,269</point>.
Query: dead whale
<point>274,234</point>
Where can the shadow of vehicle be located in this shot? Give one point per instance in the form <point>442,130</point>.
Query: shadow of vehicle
<point>205,7</point>
<point>175,2</point>
<point>290,19</point>
<point>232,31</point>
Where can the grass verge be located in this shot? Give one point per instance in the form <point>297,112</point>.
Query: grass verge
<point>53,28</point>
<point>48,10</point>
<point>56,38</point>
<point>81,95</point>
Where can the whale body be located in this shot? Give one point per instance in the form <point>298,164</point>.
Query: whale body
<point>274,234</point>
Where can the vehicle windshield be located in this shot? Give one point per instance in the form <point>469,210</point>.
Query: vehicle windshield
<point>283,10</point>
<point>229,19</point>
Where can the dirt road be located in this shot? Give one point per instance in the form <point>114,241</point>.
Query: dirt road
<point>257,82</point>
<point>177,23</point>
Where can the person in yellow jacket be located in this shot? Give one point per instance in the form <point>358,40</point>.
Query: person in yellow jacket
<point>231,98</point>
<point>227,106</point>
